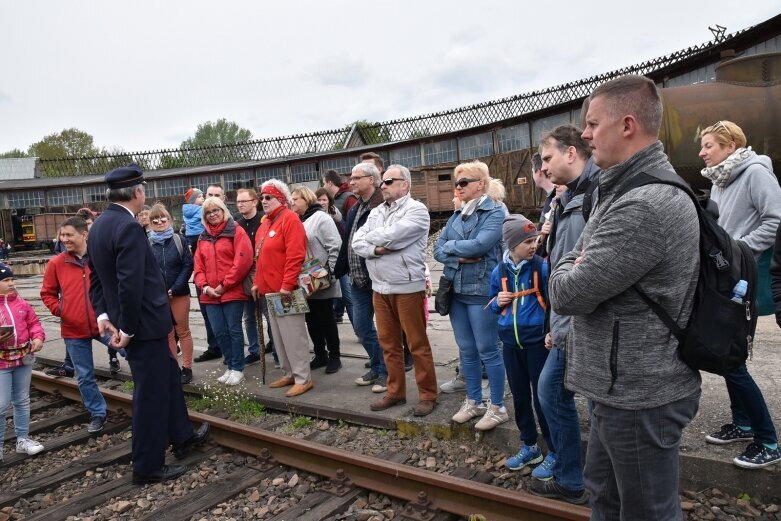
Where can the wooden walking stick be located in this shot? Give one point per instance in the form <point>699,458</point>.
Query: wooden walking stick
<point>261,339</point>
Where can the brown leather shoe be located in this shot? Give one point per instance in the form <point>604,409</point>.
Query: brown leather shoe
<point>424,407</point>
<point>282,382</point>
<point>299,389</point>
<point>386,403</point>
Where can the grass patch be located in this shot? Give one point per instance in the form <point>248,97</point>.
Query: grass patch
<point>299,422</point>
<point>234,401</point>
<point>128,386</point>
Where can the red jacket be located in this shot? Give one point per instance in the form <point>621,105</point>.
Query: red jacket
<point>15,311</point>
<point>225,259</point>
<point>65,291</point>
<point>281,253</point>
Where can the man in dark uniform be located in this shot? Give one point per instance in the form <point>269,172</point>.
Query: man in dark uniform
<point>130,300</point>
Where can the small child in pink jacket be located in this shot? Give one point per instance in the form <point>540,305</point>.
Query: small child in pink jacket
<point>21,335</point>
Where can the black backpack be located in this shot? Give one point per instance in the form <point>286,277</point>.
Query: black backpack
<point>719,336</point>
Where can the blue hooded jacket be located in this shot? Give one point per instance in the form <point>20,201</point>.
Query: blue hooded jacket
<point>192,219</point>
<point>524,323</point>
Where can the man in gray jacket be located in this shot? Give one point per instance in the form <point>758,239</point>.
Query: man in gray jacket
<point>393,242</point>
<point>620,354</point>
<point>566,159</point>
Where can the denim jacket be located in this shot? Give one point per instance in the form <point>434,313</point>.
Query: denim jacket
<point>477,237</point>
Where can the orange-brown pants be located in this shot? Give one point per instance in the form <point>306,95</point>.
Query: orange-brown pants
<point>180,309</point>
<point>394,314</point>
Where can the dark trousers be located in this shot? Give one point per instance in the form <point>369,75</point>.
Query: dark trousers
<point>159,410</point>
<point>404,312</point>
<point>523,368</point>
<point>631,470</point>
<point>748,405</point>
<point>321,324</point>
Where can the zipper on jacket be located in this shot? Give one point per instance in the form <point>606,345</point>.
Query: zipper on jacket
<point>614,357</point>
<point>515,315</point>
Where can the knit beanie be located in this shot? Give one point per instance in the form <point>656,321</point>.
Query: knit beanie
<point>192,194</point>
<point>5,272</point>
<point>516,229</point>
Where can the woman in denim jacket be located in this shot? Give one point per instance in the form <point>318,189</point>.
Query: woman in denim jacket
<point>470,246</point>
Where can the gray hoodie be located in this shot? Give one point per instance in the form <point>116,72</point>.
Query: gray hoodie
<point>750,205</point>
<point>619,353</point>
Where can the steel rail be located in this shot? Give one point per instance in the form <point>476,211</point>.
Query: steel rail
<point>443,492</point>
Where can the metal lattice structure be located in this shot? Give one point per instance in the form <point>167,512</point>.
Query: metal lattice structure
<point>361,134</point>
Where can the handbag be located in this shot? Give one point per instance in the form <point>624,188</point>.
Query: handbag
<point>444,296</point>
<point>314,276</point>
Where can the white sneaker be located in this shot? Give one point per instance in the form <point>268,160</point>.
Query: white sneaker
<point>457,383</point>
<point>28,446</point>
<point>222,379</point>
<point>469,409</point>
<point>492,417</point>
<point>235,378</point>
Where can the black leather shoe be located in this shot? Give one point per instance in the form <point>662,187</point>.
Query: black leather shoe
<point>198,438</point>
<point>186,375</point>
<point>165,473</point>
<point>207,355</point>
<point>318,362</point>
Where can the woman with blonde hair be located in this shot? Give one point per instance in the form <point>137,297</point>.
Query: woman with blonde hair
<point>281,241</point>
<point>223,259</point>
<point>176,263</point>
<point>470,247</point>
<point>323,242</point>
<point>749,201</point>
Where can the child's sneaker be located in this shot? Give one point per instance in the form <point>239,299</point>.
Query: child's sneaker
<point>492,417</point>
<point>526,456</point>
<point>544,471</point>
<point>756,456</point>
<point>729,433</point>
<point>28,446</point>
<point>469,409</point>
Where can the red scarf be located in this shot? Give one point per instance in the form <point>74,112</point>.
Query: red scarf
<point>215,231</point>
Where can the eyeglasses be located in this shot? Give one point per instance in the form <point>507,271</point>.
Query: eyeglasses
<point>161,220</point>
<point>247,201</point>
<point>356,177</point>
<point>268,197</point>
<point>389,181</point>
<point>461,183</point>
<point>213,211</point>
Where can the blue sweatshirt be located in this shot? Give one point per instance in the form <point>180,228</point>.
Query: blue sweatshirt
<point>523,324</point>
<point>192,219</point>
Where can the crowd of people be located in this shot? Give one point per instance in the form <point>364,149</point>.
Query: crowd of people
<point>548,309</point>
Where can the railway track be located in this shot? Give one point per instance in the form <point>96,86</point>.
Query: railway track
<point>242,468</point>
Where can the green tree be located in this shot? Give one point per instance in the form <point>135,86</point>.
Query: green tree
<point>11,154</point>
<point>71,142</point>
<point>221,132</point>
<point>372,133</point>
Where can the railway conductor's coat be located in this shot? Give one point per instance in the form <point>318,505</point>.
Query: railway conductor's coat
<point>127,284</point>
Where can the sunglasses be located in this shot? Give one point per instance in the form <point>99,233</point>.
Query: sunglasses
<point>268,197</point>
<point>213,211</point>
<point>389,181</point>
<point>461,183</point>
<point>161,220</point>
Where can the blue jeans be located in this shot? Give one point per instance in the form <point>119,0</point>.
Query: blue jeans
<point>523,373</point>
<point>225,319</point>
<point>477,335</point>
<point>346,302</point>
<point>80,352</point>
<point>15,388</point>
<point>558,406</point>
<point>748,405</point>
<point>631,468</point>
<point>363,325</point>
<point>251,328</point>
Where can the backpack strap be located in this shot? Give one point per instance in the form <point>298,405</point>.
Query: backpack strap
<point>178,243</point>
<point>534,290</point>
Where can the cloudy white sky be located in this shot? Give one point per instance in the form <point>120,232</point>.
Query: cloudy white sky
<point>142,75</point>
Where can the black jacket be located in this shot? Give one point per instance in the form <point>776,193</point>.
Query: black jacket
<point>342,266</point>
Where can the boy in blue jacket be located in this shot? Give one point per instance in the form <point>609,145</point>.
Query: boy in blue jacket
<point>192,212</point>
<point>519,297</point>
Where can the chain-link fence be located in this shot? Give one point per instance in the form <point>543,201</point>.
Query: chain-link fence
<point>370,133</point>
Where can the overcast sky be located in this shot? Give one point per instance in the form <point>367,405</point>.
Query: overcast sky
<point>142,75</point>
